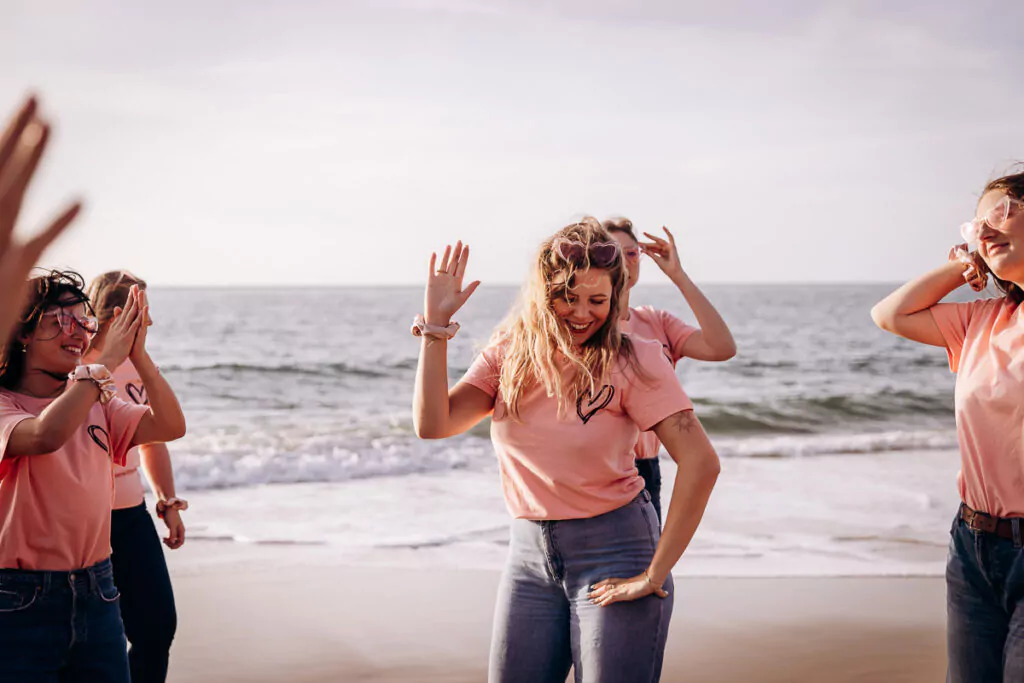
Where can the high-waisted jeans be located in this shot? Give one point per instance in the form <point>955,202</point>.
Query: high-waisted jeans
<point>61,627</point>
<point>544,622</point>
<point>984,607</point>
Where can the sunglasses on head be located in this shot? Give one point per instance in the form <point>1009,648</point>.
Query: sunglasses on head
<point>598,255</point>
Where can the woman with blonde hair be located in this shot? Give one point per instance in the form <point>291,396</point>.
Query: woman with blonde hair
<point>984,340</point>
<point>711,341</point>
<point>588,579</point>
<point>140,570</point>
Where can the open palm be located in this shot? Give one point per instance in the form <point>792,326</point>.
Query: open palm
<point>445,294</point>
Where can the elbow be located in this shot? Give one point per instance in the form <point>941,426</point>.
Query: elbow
<point>47,442</point>
<point>883,317</point>
<point>727,351</point>
<point>426,432</point>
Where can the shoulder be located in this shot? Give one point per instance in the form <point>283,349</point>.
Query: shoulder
<point>649,353</point>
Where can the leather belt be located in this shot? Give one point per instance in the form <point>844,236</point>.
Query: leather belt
<point>981,521</point>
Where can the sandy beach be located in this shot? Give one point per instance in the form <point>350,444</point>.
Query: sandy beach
<point>274,614</point>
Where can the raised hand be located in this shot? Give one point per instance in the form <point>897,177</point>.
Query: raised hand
<point>975,269</point>
<point>664,253</point>
<point>21,147</point>
<point>138,351</point>
<point>122,332</point>
<point>445,294</point>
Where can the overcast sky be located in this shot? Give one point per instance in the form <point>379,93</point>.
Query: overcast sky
<point>290,142</point>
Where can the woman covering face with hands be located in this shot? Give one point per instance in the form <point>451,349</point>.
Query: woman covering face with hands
<point>61,430</point>
<point>711,341</point>
<point>588,583</point>
<point>140,570</point>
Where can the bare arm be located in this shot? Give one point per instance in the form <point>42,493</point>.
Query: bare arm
<point>713,341</point>
<point>165,421</point>
<point>156,463</point>
<point>685,440</point>
<point>698,468</point>
<point>438,413</point>
<point>905,311</point>
<point>55,425</point>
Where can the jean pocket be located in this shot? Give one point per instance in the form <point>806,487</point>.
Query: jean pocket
<point>14,598</point>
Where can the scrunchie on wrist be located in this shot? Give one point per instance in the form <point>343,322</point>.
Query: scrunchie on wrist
<point>421,328</point>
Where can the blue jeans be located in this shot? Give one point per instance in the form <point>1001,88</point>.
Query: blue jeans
<point>650,470</point>
<point>984,607</point>
<point>544,622</point>
<point>147,601</point>
<point>61,627</point>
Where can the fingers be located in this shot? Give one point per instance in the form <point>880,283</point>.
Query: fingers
<point>433,263</point>
<point>657,240</point>
<point>35,247</point>
<point>25,160</point>
<point>12,133</point>
<point>443,268</point>
<point>671,238</point>
<point>468,292</point>
<point>461,261</point>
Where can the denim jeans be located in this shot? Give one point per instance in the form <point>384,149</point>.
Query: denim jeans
<point>61,627</point>
<point>650,470</point>
<point>147,601</point>
<point>544,622</point>
<point>984,607</point>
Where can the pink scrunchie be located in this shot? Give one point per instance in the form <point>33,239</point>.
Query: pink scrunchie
<point>420,328</point>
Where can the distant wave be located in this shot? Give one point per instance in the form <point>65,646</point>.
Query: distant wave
<point>807,415</point>
<point>318,369</point>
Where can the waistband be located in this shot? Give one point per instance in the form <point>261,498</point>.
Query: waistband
<point>1003,527</point>
<point>639,499</point>
<point>47,579</point>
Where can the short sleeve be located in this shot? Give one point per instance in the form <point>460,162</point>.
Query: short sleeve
<point>122,420</point>
<point>676,331</point>
<point>485,372</point>
<point>11,415</point>
<point>656,393</point>
<point>953,321</point>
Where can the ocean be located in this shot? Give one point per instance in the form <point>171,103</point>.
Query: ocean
<point>837,440</point>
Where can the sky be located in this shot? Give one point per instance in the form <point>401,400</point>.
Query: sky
<point>259,142</point>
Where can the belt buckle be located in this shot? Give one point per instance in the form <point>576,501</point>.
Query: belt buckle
<point>979,521</point>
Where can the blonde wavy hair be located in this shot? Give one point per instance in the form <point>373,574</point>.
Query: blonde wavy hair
<point>538,340</point>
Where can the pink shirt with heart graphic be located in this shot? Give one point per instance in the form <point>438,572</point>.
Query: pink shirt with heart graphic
<point>669,331</point>
<point>128,488</point>
<point>580,464</point>
<point>55,507</point>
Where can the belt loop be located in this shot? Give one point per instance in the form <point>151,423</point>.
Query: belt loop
<point>1015,524</point>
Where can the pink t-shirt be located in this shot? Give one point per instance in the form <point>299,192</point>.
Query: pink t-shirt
<point>985,342</point>
<point>128,489</point>
<point>671,332</point>
<point>55,507</point>
<point>579,465</point>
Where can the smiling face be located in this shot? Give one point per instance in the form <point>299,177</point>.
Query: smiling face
<point>585,304</point>
<point>1002,246</point>
<point>59,341</point>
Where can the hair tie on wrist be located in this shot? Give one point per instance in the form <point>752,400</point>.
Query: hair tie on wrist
<point>971,266</point>
<point>420,328</point>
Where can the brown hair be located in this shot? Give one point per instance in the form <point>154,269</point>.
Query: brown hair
<point>537,339</point>
<point>620,224</point>
<point>57,288</point>
<point>1013,185</point>
<point>110,290</point>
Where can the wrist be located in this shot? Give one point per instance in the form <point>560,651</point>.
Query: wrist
<point>655,580</point>
<point>680,279</point>
<point>438,320</point>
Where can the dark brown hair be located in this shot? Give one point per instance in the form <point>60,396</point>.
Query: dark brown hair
<point>620,224</point>
<point>55,289</point>
<point>110,290</point>
<point>1012,185</point>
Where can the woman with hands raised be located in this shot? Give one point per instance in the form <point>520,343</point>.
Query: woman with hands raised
<point>711,341</point>
<point>61,430</point>
<point>587,584</point>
